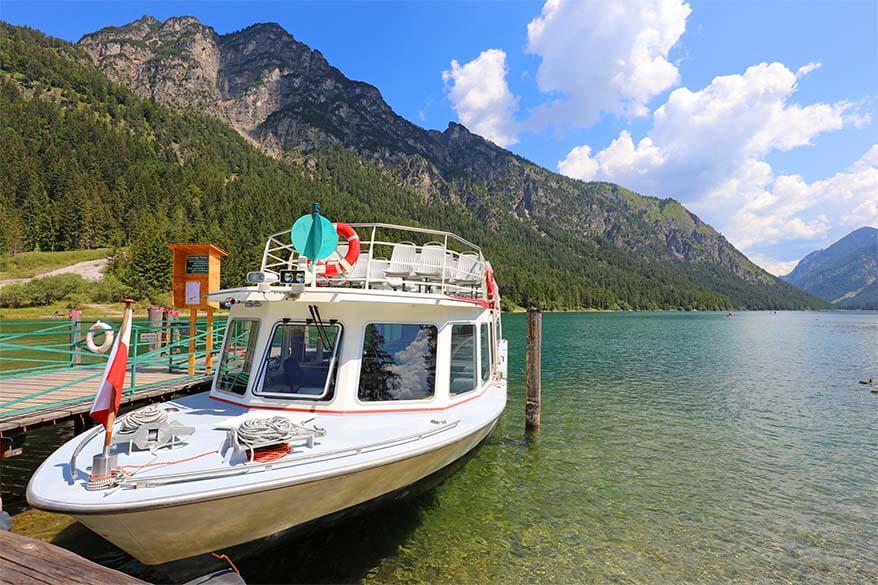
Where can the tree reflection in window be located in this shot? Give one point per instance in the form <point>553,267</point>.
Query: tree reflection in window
<point>399,362</point>
<point>237,356</point>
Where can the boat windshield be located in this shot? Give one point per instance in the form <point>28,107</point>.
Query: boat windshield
<point>237,358</point>
<point>301,360</point>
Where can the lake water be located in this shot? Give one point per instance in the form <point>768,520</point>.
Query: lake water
<point>675,447</point>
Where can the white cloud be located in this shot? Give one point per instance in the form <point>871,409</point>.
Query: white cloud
<point>481,97</point>
<point>600,56</point>
<point>808,68</point>
<point>776,268</point>
<point>701,139</point>
<point>579,164</point>
<point>707,147</point>
<point>866,213</point>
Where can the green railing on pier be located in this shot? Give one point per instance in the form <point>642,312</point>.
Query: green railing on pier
<point>37,348</point>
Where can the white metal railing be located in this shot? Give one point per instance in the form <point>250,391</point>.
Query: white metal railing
<point>447,264</point>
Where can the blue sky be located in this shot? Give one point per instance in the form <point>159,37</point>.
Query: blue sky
<point>665,97</point>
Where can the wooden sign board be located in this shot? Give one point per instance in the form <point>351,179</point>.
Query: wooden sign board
<point>196,273</point>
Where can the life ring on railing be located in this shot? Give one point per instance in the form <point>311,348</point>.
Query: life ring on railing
<point>108,337</point>
<point>491,289</point>
<point>341,266</point>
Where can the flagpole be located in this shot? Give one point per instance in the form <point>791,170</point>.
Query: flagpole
<point>111,416</point>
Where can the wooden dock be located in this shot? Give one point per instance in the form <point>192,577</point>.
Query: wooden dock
<point>27,561</point>
<point>76,390</point>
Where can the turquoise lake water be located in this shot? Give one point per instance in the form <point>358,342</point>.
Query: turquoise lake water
<point>675,447</point>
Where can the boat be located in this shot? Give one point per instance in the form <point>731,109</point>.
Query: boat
<point>339,381</point>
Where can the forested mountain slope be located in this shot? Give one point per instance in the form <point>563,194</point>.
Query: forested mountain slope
<point>88,163</point>
<point>845,273</point>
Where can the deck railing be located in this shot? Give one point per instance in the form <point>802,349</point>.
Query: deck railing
<point>29,349</point>
<point>394,257</point>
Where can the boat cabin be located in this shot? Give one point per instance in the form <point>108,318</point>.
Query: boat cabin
<point>396,319</point>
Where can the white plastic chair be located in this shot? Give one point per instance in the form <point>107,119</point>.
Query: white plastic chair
<point>402,260</point>
<point>358,270</point>
<point>430,261</point>
<point>469,269</point>
<point>377,271</point>
<point>450,270</point>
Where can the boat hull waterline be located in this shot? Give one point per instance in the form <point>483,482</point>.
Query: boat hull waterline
<point>159,535</point>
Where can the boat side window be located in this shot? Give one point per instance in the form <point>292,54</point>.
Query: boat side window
<point>462,377</point>
<point>486,356</point>
<point>399,362</point>
<point>300,362</point>
<point>493,330</point>
<point>237,359</point>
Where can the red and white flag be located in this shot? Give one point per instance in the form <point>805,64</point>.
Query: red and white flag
<point>110,393</point>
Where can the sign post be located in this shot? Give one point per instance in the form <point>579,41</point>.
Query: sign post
<point>196,273</point>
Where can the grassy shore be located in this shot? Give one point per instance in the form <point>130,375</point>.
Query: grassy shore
<point>61,310</point>
<point>30,264</point>
<point>90,311</point>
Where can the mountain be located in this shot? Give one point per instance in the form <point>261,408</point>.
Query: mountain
<point>167,130</point>
<point>845,273</point>
<point>285,96</point>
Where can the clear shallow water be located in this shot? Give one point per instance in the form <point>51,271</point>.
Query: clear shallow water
<point>675,447</point>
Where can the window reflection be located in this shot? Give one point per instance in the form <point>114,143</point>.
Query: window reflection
<point>486,356</point>
<point>237,358</point>
<point>399,362</point>
<point>462,377</point>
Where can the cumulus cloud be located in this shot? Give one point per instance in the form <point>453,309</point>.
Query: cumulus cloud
<point>481,97</point>
<point>707,147</point>
<point>595,57</point>
<point>700,139</point>
<point>789,208</point>
<point>599,56</point>
<point>770,209</point>
<point>778,268</point>
<point>579,164</point>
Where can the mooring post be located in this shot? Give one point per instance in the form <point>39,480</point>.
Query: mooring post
<point>532,369</point>
<point>75,328</point>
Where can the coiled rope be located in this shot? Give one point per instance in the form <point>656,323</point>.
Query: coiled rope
<point>276,432</point>
<point>119,474</point>
<point>105,482</point>
<point>260,432</point>
<point>149,414</point>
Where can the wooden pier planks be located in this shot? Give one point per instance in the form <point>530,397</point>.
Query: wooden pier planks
<point>27,561</point>
<point>158,382</point>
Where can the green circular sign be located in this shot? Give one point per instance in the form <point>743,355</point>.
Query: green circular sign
<point>314,236</point>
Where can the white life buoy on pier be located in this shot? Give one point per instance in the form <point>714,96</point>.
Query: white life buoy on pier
<point>108,337</point>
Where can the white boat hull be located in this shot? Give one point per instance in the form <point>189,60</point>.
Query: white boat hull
<point>171,532</point>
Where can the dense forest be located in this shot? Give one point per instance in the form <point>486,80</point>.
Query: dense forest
<point>87,164</point>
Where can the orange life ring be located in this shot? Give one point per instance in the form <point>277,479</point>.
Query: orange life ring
<point>491,286</point>
<point>337,267</point>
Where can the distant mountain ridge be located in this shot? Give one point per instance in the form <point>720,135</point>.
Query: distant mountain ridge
<point>155,160</point>
<point>285,96</point>
<point>844,274</point>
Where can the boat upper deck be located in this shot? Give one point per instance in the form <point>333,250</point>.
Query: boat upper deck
<point>386,257</point>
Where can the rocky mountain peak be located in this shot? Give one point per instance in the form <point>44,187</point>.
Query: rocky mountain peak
<point>283,95</point>
<point>845,273</point>
<point>177,24</point>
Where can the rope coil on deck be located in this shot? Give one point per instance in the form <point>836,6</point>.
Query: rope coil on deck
<point>106,482</point>
<point>259,433</point>
<point>149,414</point>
